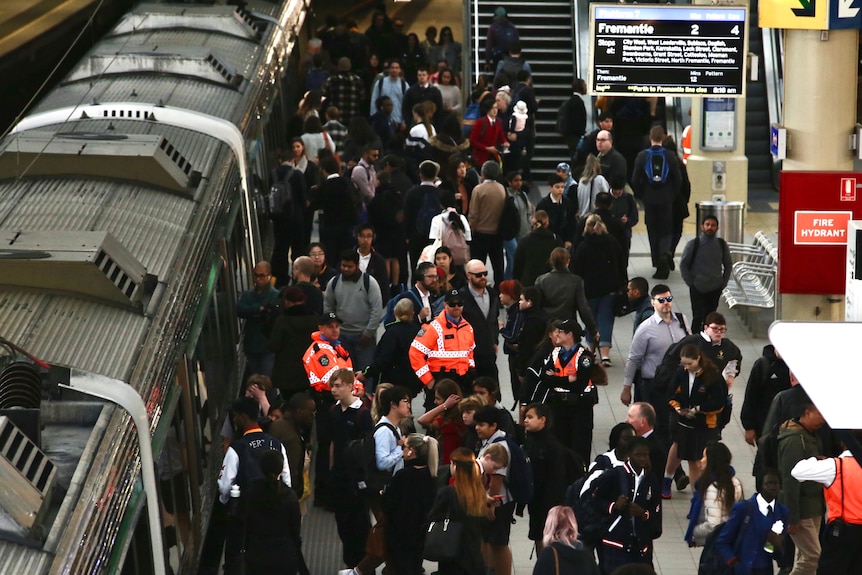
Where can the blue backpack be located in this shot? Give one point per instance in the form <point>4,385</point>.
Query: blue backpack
<point>471,116</point>
<point>389,314</point>
<point>656,166</point>
<point>428,208</point>
<point>520,477</point>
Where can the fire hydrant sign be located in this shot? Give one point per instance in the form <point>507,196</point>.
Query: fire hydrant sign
<point>814,211</point>
<point>820,228</point>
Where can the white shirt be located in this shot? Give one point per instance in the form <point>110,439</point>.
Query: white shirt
<point>438,225</point>
<point>363,262</point>
<point>504,471</point>
<point>820,470</point>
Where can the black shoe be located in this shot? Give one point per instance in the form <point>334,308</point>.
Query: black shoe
<point>661,273</point>
<point>682,482</point>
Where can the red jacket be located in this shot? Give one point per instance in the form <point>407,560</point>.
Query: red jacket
<point>484,135</point>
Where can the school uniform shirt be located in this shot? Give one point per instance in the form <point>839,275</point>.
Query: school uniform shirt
<point>499,437</point>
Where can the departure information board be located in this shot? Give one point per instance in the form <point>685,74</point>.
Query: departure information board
<point>668,50</point>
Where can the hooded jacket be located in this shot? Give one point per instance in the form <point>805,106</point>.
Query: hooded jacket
<point>795,443</point>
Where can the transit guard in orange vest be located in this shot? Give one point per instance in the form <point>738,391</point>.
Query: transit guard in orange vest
<point>325,355</point>
<point>322,359</point>
<point>444,347</point>
<point>565,382</point>
<point>686,144</point>
<point>841,478</point>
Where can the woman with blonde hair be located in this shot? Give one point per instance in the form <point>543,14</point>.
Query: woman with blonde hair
<point>562,552</point>
<point>465,502</point>
<point>600,262</point>
<point>407,501</point>
<point>592,183</point>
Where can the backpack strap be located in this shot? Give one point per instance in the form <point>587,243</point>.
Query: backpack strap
<point>681,319</point>
<point>390,426</point>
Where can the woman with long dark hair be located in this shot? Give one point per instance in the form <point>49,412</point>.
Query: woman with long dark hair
<point>464,501</point>
<point>714,495</point>
<point>700,393</point>
<point>447,49</point>
<point>272,522</point>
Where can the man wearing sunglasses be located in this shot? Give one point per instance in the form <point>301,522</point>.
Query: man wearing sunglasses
<point>444,348</point>
<point>482,310</point>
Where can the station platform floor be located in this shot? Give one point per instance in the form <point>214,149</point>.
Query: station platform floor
<point>672,554</point>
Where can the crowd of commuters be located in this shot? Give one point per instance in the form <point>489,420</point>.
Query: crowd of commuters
<point>419,185</point>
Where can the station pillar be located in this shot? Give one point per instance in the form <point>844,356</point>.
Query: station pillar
<point>703,165</point>
<point>820,85</point>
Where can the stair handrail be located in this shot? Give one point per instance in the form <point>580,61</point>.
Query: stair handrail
<point>471,30</point>
<point>773,66</point>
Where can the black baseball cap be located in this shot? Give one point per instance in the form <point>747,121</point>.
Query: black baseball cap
<point>328,318</point>
<point>454,296</point>
<point>570,326</point>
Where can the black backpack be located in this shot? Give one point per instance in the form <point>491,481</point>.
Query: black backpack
<point>520,476</point>
<point>280,198</point>
<point>564,119</point>
<point>656,166</point>
<point>428,208</point>
<point>361,462</point>
<point>669,363</point>
<point>510,219</point>
<point>592,523</point>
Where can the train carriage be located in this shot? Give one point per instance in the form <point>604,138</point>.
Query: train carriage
<point>131,213</point>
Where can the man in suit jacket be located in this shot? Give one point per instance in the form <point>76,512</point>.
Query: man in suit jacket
<point>481,309</point>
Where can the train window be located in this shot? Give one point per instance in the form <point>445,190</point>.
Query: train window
<point>175,491</point>
<point>139,558</point>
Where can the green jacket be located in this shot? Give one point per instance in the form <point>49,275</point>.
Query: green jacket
<point>795,443</point>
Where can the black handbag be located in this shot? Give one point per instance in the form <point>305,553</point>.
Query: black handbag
<point>443,540</point>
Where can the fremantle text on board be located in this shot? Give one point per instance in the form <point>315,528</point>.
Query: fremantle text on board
<point>668,50</point>
<point>820,228</point>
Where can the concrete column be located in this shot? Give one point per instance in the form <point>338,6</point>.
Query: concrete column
<point>700,163</point>
<point>820,84</point>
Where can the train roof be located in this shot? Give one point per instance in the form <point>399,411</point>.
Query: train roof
<point>108,223</point>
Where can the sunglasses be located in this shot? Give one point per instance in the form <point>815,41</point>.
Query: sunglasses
<point>478,274</point>
<point>456,304</point>
<point>667,299</point>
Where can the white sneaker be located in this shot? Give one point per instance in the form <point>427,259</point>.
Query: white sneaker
<point>348,572</point>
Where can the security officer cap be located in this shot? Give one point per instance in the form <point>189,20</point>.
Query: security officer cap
<point>328,318</point>
<point>454,296</point>
<point>571,326</point>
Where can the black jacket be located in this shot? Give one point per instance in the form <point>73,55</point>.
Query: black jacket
<point>769,376</point>
<point>392,356</point>
<point>657,195</point>
<point>609,486</point>
<point>290,337</point>
<point>561,216</point>
<point>486,330</point>
<point>600,262</point>
<point>576,560</point>
<point>531,255</point>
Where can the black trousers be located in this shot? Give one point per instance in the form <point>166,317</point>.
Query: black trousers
<point>573,426</point>
<point>841,552</point>
<point>352,521</point>
<point>702,303</point>
<point>659,223</point>
<point>489,245</point>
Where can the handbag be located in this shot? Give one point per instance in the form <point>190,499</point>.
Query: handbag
<point>443,540</point>
<point>429,251</point>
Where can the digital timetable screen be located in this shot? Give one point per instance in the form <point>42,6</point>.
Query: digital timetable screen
<point>667,50</point>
